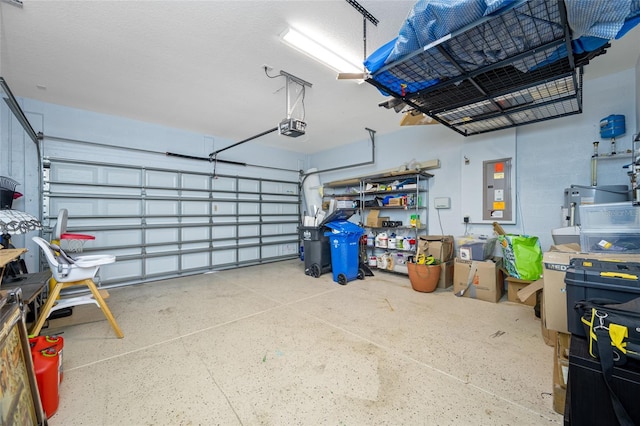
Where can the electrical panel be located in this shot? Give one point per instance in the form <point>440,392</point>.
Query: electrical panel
<point>497,197</point>
<point>442,202</point>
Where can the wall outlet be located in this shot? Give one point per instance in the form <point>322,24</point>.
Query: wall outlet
<point>442,202</point>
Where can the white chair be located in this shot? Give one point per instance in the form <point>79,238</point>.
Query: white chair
<point>69,272</point>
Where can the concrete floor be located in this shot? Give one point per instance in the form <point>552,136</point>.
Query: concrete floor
<point>269,345</point>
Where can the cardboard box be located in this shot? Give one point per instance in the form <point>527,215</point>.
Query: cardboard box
<point>438,246</point>
<point>374,220</point>
<point>397,201</point>
<point>555,263</point>
<point>560,371</point>
<point>549,336</point>
<point>514,285</point>
<point>531,290</point>
<point>446,274</point>
<point>486,283</point>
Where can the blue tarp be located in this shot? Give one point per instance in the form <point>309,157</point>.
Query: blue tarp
<point>593,23</point>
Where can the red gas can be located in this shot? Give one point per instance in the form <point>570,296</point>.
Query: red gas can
<point>40,343</point>
<point>46,364</point>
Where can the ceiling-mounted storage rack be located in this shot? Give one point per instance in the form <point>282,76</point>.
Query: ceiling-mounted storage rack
<point>505,70</point>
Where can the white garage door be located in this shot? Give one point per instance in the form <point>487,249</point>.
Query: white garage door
<point>163,223</point>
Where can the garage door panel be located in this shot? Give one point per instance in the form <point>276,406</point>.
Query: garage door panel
<point>224,183</point>
<point>159,222</point>
<point>165,235</point>
<point>196,207</point>
<point>249,185</point>
<point>74,173</point>
<point>157,178</point>
<point>248,254</point>
<point>248,230</point>
<point>280,219</point>
<point>121,270</point>
<point>158,207</point>
<point>195,260</point>
<point>162,265</point>
<point>199,182</point>
<point>225,257</point>
<point>196,233</point>
<point>249,208</point>
<point>162,193</point>
<point>276,208</point>
<point>221,208</point>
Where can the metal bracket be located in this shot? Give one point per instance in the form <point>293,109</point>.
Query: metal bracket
<point>292,79</point>
<point>365,16</point>
<point>357,6</point>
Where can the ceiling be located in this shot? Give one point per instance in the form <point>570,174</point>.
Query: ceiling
<point>199,65</point>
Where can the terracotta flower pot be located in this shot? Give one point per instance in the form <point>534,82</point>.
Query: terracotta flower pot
<point>424,278</point>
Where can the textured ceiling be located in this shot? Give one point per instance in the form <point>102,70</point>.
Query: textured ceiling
<point>198,65</point>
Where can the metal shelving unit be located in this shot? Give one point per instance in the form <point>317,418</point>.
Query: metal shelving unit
<point>367,201</point>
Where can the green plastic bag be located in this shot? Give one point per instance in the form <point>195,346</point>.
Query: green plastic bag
<point>522,256</point>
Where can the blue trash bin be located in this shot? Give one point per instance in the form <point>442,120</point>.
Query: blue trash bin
<point>344,239</point>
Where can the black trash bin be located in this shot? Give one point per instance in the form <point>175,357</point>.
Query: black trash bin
<point>317,251</point>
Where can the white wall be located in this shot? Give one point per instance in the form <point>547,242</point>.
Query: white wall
<point>60,121</point>
<point>551,156</point>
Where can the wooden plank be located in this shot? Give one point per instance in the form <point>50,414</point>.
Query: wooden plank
<point>7,255</point>
<point>433,164</point>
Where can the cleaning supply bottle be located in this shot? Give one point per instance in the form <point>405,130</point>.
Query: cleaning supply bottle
<point>382,240</point>
<point>392,241</point>
<point>370,239</point>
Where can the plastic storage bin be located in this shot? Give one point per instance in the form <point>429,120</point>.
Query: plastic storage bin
<point>344,240</point>
<point>611,216</point>
<point>598,279</point>
<point>610,242</point>
<point>477,250</point>
<point>611,227</point>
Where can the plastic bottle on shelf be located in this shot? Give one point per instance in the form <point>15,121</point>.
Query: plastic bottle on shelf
<point>392,241</point>
<point>382,240</point>
<point>406,244</point>
<point>383,261</point>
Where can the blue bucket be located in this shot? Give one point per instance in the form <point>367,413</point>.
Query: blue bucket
<point>612,126</point>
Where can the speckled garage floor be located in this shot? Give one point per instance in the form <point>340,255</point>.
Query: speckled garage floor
<point>269,345</point>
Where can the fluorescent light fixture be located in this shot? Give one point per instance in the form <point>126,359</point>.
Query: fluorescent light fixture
<point>317,51</point>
